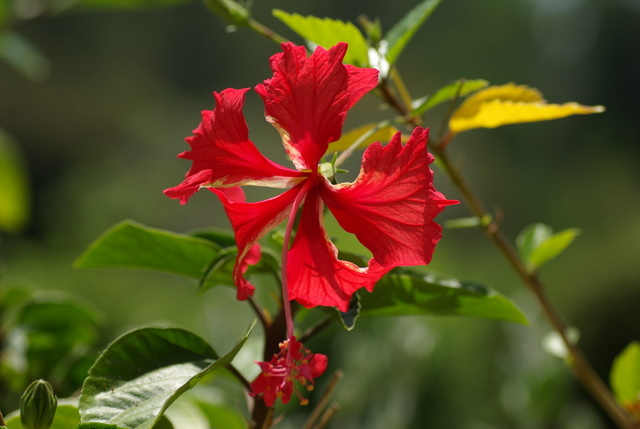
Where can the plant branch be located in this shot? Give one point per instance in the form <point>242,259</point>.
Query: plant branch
<point>265,31</point>
<point>232,369</point>
<point>324,400</point>
<point>581,367</point>
<point>315,329</point>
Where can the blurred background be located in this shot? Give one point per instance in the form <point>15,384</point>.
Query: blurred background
<point>96,101</point>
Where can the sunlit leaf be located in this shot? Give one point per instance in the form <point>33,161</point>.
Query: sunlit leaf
<point>143,372</point>
<point>537,244</point>
<point>382,135</point>
<point>15,199</point>
<point>510,104</point>
<point>460,88</point>
<point>401,33</point>
<point>328,32</point>
<point>132,245</point>
<point>399,294</point>
<point>25,57</point>
<point>625,377</point>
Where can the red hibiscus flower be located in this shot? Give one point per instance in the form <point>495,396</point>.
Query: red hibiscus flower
<point>390,206</point>
<point>292,364</point>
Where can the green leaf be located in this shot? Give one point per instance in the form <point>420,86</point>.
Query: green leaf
<point>459,87</point>
<point>132,245</point>
<point>537,244</point>
<point>398,37</point>
<point>399,294</point>
<point>25,57</point>
<point>625,375</point>
<point>143,372</point>
<point>327,33</point>
<point>14,188</point>
<point>67,417</point>
<point>128,4</point>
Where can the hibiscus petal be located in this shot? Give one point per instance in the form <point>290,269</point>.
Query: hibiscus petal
<point>391,205</point>
<point>307,99</point>
<point>223,155</point>
<point>315,275</point>
<point>250,222</point>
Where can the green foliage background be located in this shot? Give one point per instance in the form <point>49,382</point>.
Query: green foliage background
<point>122,88</point>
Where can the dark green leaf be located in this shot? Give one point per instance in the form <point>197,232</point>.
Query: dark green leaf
<point>217,236</point>
<point>131,245</point>
<point>141,373</point>
<point>349,317</point>
<point>537,244</point>
<point>459,88</point>
<point>14,196</point>
<point>327,33</point>
<point>398,37</point>
<point>404,294</point>
<point>625,375</point>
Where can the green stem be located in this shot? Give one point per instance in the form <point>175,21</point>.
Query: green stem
<point>401,87</point>
<point>265,31</point>
<point>232,369</point>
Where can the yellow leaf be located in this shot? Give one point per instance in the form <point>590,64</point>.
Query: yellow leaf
<point>383,135</point>
<point>510,104</point>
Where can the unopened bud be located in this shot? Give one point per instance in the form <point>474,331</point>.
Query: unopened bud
<point>38,406</point>
<point>229,10</point>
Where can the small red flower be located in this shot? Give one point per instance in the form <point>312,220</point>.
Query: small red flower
<point>390,207</point>
<point>292,364</point>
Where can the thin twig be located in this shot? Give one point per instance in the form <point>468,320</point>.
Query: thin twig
<point>315,329</point>
<point>327,416</point>
<point>265,31</point>
<point>324,400</point>
<point>261,316</point>
<point>232,369</point>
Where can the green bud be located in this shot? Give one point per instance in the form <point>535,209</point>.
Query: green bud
<point>229,10</point>
<point>38,406</point>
